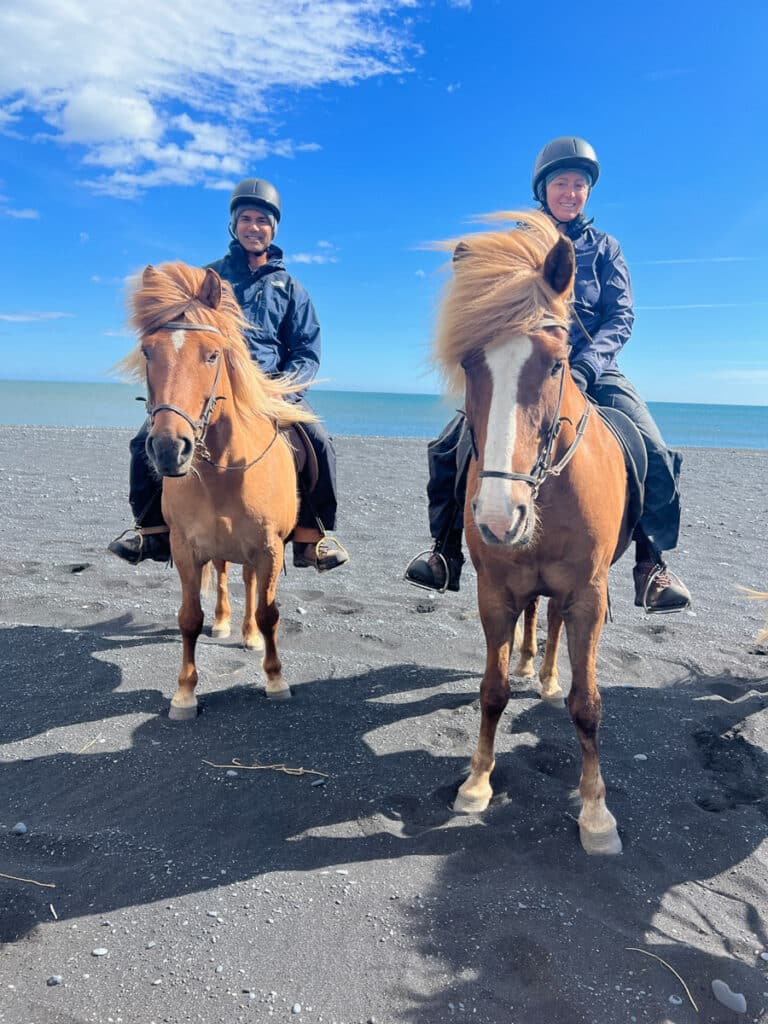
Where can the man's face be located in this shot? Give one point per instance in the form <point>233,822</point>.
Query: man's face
<point>567,195</point>
<point>253,230</point>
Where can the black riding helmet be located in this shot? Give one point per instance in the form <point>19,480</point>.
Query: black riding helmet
<point>566,151</point>
<point>254,192</point>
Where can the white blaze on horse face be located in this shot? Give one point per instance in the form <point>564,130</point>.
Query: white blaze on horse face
<point>177,339</point>
<point>494,506</point>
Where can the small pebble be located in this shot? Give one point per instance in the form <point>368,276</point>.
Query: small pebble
<point>158,981</point>
<point>150,945</point>
<point>55,979</point>
<point>676,1000</point>
<point>733,1000</point>
<point>232,774</point>
<point>318,782</point>
<point>99,951</point>
<point>20,829</point>
<point>296,1008</point>
<point>641,757</point>
<point>764,956</point>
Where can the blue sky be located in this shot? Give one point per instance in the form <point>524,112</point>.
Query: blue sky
<point>124,124</point>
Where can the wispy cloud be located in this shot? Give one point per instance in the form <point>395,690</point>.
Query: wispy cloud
<point>706,305</point>
<point>32,318</point>
<point>753,376</point>
<point>7,211</point>
<point>694,259</point>
<point>153,98</point>
<point>311,257</point>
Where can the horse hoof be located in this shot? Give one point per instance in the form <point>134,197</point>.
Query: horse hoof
<point>554,701</point>
<point>469,804</point>
<point>254,643</point>
<point>220,632</point>
<point>182,714</point>
<point>280,694</point>
<point>601,844</point>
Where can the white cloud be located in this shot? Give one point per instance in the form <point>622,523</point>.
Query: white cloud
<point>157,94</point>
<point>20,214</point>
<point>310,257</point>
<point>31,318</point>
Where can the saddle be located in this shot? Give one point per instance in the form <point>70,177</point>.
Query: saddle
<point>304,457</point>
<point>635,459</point>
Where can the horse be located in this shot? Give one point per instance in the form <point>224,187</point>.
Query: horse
<point>546,511</point>
<point>229,480</point>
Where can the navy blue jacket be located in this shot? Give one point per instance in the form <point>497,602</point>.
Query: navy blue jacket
<point>602,299</point>
<point>284,336</point>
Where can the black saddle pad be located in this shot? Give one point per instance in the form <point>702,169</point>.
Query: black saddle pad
<point>635,457</point>
<point>303,455</point>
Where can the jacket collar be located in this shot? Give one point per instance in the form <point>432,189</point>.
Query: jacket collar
<point>239,257</point>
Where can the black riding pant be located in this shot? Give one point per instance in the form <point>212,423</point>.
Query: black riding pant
<point>145,489</point>
<point>659,526</point>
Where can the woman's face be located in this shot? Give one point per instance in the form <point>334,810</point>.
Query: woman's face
<point>567,195</point>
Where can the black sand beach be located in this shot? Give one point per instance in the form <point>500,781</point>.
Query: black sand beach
<point>256,895</point>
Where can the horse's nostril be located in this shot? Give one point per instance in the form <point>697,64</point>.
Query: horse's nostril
<point>186,449</point>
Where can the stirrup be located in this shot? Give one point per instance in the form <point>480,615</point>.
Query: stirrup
<point>426,555</point>
<point>652,577</point>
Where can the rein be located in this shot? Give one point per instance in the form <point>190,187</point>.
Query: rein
<point>200,427</point>
<point>543,467</point>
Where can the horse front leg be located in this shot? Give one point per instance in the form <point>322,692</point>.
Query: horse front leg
<point>184,703</point>
<point>268,618</point>
<point>550,688</point>
<point>223,612</point>
<point>584,623</point>
<point>524,666</point>
<point>252,638</point>
<point>475,793</point>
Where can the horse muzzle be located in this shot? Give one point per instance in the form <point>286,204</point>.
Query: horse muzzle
<point>503,521</point>
<point>170,454</point>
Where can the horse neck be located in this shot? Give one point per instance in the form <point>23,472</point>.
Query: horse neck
<point>231,438</point>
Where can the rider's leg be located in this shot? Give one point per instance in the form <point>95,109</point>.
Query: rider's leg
<point>448,459</point>
<point>656,588</point>
<point>313,546</point>
<point>150,538</point>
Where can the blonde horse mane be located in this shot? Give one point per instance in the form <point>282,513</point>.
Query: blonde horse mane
<point>172,292</point>
<point>497,289</point>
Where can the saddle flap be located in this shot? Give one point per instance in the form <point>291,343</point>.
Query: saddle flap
<point>635,456</point>
<point>304,456</point>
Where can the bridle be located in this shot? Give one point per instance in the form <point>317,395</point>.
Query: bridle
<point>543,467</point>
<point>200,427</point>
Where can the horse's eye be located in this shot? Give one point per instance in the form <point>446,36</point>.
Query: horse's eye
<point>557,368</point>
<point>212,357</point>
<point>145,352</point>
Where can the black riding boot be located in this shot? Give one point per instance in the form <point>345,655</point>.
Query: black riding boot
<point>149,538</point>
<point>439,569</point>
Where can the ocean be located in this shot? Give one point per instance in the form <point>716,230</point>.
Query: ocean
<point>360,413</point>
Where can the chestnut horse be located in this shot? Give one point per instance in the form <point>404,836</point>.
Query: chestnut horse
<point>547,494</point>
<point>229,481</point>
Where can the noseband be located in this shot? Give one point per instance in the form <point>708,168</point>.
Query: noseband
<point>543,467</point>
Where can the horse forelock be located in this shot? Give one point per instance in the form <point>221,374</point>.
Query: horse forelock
<point>497,289</point>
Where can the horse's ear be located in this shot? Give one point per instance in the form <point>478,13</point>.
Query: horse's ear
<point>149,274</point>
<point>210,292</point>
<point>560,266</point>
